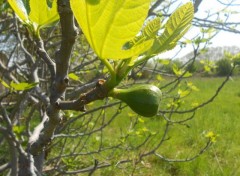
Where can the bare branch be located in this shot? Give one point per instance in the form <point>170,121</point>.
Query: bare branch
<point>196,5</point>
<point>186,159</point>
<point>4,167</point>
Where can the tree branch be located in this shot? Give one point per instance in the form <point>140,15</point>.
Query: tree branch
<point>69,34</point>
<point>98,93</point>
<point>42,136</point>
<point>44,55</point>
<point>196,5</point>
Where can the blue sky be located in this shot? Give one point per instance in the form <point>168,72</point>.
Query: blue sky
<point>212,6</point>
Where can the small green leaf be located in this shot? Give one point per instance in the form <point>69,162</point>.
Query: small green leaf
<point>18,129</point>
<point>41,14</point>
<point>180,72</point>
<point>176,70</point>
<point>164,61</point>
<point>200,40</point>
<point>34,13</point>
<point>159,78</point>
<point>207,68</point>
<point>236,59</point>
<point>141,120</point>
<point>22,86</point>
<point>211,136</point>
<point>73,76</point>
<point>182,93</point>
<point>4,83</point>
<point>192,86</point>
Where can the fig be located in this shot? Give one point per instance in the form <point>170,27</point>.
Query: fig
<point>143,99</point>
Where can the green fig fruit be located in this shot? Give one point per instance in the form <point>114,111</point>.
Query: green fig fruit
<point>142,99</point>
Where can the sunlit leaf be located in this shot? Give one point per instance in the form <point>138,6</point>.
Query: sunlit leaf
<point>108,25</point>
<point>131,114</point>
<point>73,76</point>
<point>207,68</point>
<point>18,129</point>
<point>236,59</point>
<point>159,78</point>
<point>20,9</point>
<point>22,86</point>
<point>34,13</point>
<point>180,72</point>
<point>144,129</point>
<point>177,25</point>
<point>202,61</point>
<point>4,83</point>
<point>195,104</point>
<point>212,136</point>
<point>176,70</point>
<point>140,120</point>
<point>148,32</point>
<point>187,74</point>
<point>41,14</point>
<point>183,93</point>
<point>164,61</point>
<point>139,74</point>
<point>200,40</point>
<point>152,28</point>
<point>192,87</point>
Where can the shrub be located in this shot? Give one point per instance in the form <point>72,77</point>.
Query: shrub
<point>223,67</point>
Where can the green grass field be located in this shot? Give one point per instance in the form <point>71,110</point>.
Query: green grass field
<point>220,116</point>
<point>223,118</point>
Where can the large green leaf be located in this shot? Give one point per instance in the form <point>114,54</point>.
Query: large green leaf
<point>177,25</point>
<point>20,9</point>
<point>108,25</point>
<point>35,13</point>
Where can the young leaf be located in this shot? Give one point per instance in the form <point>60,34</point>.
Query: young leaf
<point>41,14</point>
<point>73,76</point>
<point>152,28</point>
<point>177,25</point>
<point>148,32</point>
<point>164,61</point>
<point>108,25</point>
<point>34,13</point>
<point>22,86</point>
<point>180,72</point>
<point>4,83</point>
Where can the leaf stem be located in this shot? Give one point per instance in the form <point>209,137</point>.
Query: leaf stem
<point>140,61</point>
<point>109,67</point>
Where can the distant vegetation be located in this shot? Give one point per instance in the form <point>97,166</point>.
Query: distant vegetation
<point>210,62</point>
<point>213,61</point>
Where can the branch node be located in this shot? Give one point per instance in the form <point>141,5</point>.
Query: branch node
<point>100,82</point>
<point>66,81</point>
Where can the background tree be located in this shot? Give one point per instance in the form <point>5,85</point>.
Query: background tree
<point>223,67</point>
<point>56,116</point>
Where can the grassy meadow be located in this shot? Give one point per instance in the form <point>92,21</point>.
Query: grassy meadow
<point>222,117</point>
